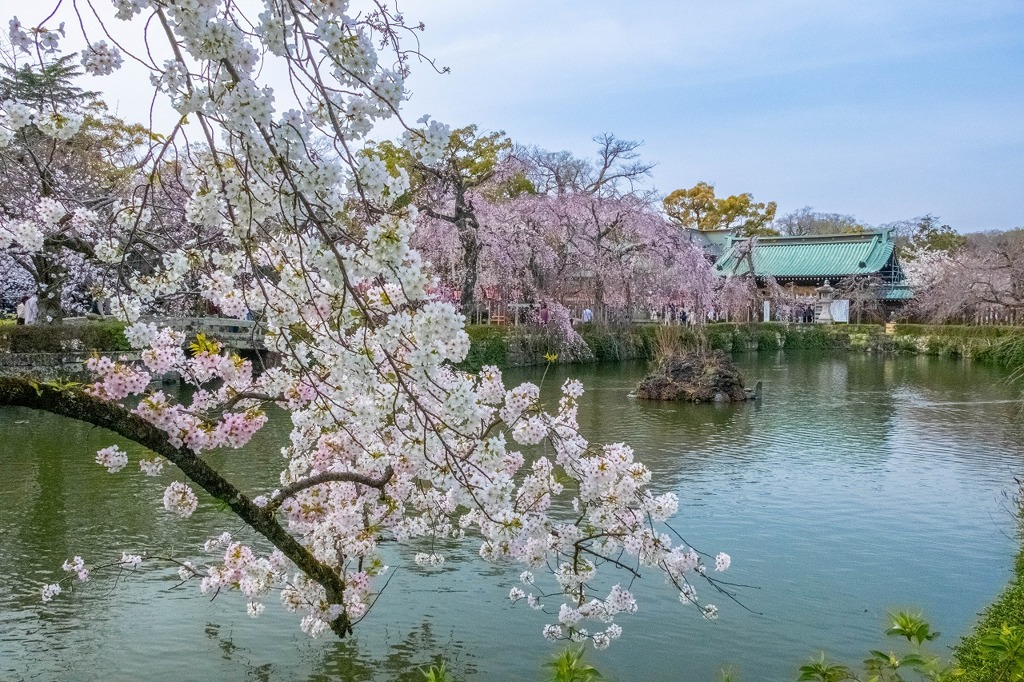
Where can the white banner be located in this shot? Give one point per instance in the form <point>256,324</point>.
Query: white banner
<point>840,310</point>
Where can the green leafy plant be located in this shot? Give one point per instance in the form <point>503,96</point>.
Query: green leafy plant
<point>436,673</point>
<point>1004,649</point>
<point>727,675</point>
<point>886,666</point>
<point>992,651</point>
<point>823,671</point>
<point>891,666</point>
<point>568,666</point>
<point>912,626</point>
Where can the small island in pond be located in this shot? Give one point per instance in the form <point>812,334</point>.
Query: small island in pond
<point>696,377</point>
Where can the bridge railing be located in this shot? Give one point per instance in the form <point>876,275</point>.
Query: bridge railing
<point>232,333</point>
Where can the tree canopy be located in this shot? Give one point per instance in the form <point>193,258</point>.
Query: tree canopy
<point>697,208</point>
<point>807,221</point>
<point>79,158</point>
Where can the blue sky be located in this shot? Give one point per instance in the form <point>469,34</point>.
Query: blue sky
<point>884,110</point>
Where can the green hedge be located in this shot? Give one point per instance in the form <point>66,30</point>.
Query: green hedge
<point>960,331</point>
<point>774,336</point>
<point>504,346</point>
<point>488,346</point>
<point>59,338</point>
<point>499,345</point>
<point>616,343</point>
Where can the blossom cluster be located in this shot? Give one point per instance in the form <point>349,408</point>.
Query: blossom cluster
<point>180,499</point>
<point>50,591</point>
<point>54,123</point>
<point>77,566</point>
<point>388,440</point>
<point>113,458</point>
<point>242,569</point>
<point>116,380</point>
<point>46,218</point>
<point>47,39</point>
<point>101,59</point>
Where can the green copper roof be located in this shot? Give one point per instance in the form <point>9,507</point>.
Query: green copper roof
<point>812,256</point>
<point>896,292</point>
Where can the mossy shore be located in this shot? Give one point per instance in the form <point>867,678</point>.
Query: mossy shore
<point>525,346</point>
<point>521,346</point>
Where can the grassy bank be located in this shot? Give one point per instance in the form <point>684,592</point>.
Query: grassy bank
<point>522,346</point>
<point>994,650</point>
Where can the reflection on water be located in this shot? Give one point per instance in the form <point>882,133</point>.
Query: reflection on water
<point>856,486</point>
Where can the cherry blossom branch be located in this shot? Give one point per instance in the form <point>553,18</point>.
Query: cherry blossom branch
<point>76,404</point>
<point>334,477</point>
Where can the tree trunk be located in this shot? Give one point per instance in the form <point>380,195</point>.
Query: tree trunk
<point>49,287</point>
<point>470,259</point>
<point>468,229</point>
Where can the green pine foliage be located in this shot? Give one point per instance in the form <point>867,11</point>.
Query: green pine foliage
<point>39,85</point>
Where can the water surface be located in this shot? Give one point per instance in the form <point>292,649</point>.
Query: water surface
<point>858,485</point>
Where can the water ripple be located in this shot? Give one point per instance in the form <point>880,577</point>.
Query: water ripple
<point>857,485</point>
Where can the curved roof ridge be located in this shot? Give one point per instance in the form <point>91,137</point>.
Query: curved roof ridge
<point>845,236</point>
<point>813,256</point>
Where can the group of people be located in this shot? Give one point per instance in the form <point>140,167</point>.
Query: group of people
<point>803,314</point>
<point>544,315</point>
<point>27,309</point>
<point>671,315</point>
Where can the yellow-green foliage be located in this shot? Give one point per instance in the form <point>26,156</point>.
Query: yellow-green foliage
<point>699,208</point>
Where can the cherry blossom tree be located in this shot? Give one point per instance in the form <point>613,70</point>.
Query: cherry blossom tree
<point>388,440</point>
<point>628,254</point>
<point>977,276</point>
<point>605,237</point>
<point>548,226</point>
<point>64,161</point>
<point>450,192</point>
<point>863,293</point>
<point>736,297</point>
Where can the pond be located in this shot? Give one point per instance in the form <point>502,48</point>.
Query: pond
<point>857,486</point>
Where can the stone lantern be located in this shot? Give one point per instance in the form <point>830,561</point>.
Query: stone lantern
<point>823,306</point>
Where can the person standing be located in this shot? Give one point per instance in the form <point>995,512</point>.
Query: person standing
<point>31,309</point>
<point>544,314</point>
<point>20,309</point>
<point>588,315</point>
